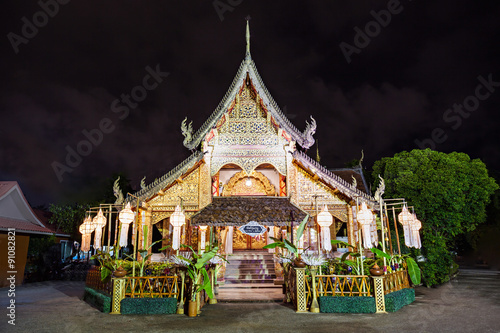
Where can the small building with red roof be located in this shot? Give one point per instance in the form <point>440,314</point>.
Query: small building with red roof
<point>18,222</point>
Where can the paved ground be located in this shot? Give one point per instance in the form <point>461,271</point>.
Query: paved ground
<point>470,303</point>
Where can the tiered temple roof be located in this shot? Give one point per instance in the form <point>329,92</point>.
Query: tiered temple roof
<point>248,71</point>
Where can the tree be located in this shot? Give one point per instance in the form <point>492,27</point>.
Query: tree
<point>68,218</point>
<point>450,193</point>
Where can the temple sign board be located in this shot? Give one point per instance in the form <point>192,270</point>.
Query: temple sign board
<point>252,229</point>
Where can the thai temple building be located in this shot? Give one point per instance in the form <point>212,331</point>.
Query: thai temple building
<point>248,168</point>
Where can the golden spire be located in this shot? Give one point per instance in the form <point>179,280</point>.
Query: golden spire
<point>317,151</point>
<point>248,36</point>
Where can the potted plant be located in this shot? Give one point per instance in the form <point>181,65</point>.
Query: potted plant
<point>198,274</point>
<point>292,248</point>
<point>314,261</point>
<point>108,263</point>
<point>215,265</point>
<point>413,269</point>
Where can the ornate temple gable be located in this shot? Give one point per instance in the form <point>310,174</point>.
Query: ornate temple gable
<point>310,191</point>
<point>187,187</point>
<point>246,136</point>
<point>248,70</point>
<point>333,181</point>
<point>169,178</point>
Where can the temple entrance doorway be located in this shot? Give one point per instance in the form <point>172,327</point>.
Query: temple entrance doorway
<point>243,241</point>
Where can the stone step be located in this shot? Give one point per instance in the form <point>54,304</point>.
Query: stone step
<point>253,265</point>
<point>241,281</point>
<point>256,286</point>
<point>252,270</point>
<point>245,276</point>
<point>251,254</point>
<point>249,261</point>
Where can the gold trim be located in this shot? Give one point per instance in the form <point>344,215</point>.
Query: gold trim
<point>257,178</point>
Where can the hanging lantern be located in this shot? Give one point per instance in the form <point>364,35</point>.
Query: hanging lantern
<point>126,217</point>
<point>365,218</point>
<point>99,222</point>
<point>325,220</point>
<point>405,218</point>
<point>86,229</point>
<point>203,231</point>
<point>177,220</point>
<point>415,234</point>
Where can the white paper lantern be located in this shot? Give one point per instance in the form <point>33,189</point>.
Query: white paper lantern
<point>177,220</point>
<point>86,229</point>
<point>365,218</point>
<point>99,222</point>
<point>405,218</point>
<point>126,217</point>
<point>415,234</point>
<point>325,220</point>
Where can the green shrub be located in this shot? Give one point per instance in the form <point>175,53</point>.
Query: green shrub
<point>148,305</point>
<point>347,304</point>
<point>97,299</point>
<point>396,300</point>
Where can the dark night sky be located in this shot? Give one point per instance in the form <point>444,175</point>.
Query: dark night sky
<point>394,91</point>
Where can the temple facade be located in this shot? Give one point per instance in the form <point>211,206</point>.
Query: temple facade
<point>248,165</point>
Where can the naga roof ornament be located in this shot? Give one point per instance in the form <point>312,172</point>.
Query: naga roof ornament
<point>308,134</point>
<point>187,131</point>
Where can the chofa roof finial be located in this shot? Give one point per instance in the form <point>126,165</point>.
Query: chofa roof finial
<point>248,36</point>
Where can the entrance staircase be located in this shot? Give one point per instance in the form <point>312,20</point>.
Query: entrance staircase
<point>250,278</point>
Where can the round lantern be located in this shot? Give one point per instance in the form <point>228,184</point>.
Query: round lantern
<point>126,217</point>
<point>325,220</point>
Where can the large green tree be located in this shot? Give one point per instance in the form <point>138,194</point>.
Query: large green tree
<point>449,193</point>
<point>68,218</point>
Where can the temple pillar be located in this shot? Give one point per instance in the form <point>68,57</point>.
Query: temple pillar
<point>202,238</point>
<point>149,227</point>
<point>350,226</point>
<point>164,234</point>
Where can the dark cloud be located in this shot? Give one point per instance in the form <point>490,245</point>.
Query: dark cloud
<point>396,90</point>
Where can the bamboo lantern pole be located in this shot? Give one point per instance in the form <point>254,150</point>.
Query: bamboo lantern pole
<point>396,228</point>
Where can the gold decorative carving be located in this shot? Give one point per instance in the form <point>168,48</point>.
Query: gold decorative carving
<point>205,185</point>
<point>260,185</point>
<point>259,242</point>
<point>311,191</point>
<point>239,240</point>
<point>247,137</point>
<point>187,189</point>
